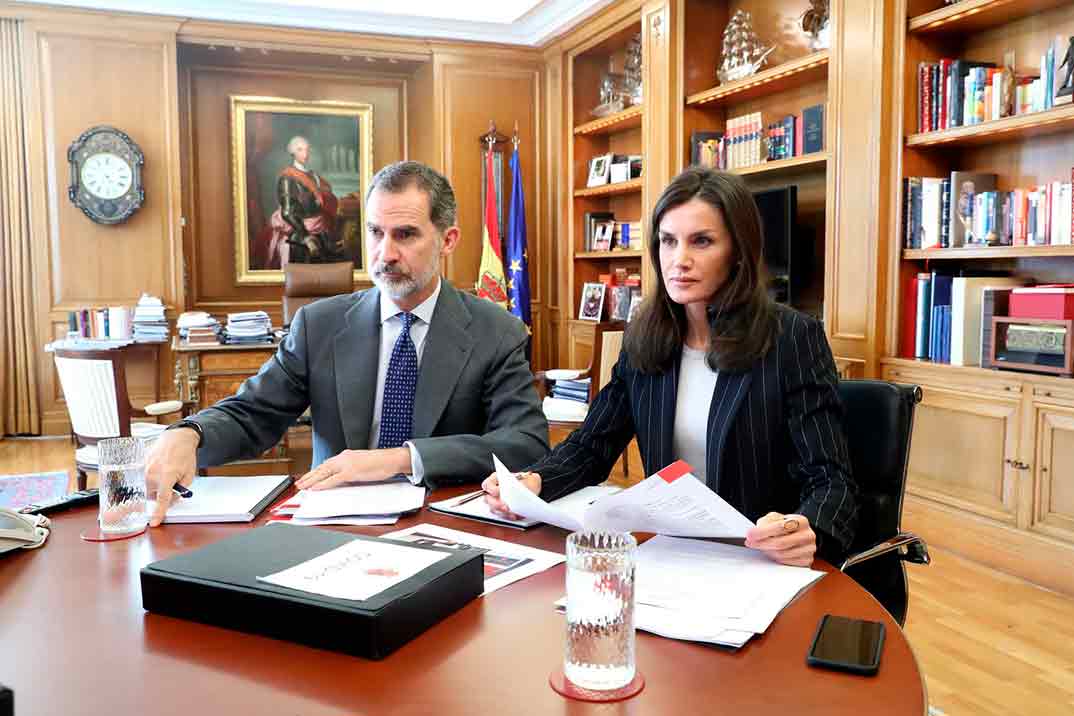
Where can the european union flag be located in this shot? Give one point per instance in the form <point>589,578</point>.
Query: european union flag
<point>518,275</point>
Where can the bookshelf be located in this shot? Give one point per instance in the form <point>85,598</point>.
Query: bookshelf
<point>588,137</point>
<point>1007,129</point>
<point>787,75</point>
<point>988,445</point>
<point>794,78</point>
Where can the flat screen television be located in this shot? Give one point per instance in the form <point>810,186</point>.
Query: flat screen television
<point>787,253</point>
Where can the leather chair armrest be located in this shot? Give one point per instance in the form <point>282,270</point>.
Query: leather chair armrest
<point>907,545</point>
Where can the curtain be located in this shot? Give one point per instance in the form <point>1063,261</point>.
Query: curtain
<point>20,411</point>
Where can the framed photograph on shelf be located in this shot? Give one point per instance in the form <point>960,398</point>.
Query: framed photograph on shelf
<point>592,305</point>
<point>635,303</point>
<point>300,171</point>
<point>602,236</point>
<point>599,170</point>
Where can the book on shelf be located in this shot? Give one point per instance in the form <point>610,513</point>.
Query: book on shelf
<point>967,295</point>
<point>979,214</point>
<point>813,129</point>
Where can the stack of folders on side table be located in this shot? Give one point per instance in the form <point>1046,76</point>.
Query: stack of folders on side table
<point>377,503</point>
<point>681,585</point>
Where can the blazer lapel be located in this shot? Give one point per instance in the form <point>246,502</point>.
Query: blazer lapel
<point>357,357</point>
<point>447,349</point>
<point>727,397</point>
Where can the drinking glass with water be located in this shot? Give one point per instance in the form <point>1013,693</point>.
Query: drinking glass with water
<point>121,473</point>
<point>600,610</point>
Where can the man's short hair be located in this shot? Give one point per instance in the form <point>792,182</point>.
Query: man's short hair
<point>292,145</point>
<point>400,176</point>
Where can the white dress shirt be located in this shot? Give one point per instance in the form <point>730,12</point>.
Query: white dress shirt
<point>391,325</point>
<point>692,402</point>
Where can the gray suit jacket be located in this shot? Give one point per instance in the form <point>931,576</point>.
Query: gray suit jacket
<point>475,393</point>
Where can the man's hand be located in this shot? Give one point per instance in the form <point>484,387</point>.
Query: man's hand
<point>313,246</point>
<point>172,459</point>
<point>357,466</point>
<point>491,486</point>
<point>787,539</point>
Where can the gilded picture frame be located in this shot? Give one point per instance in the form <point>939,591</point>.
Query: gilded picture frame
<point>300,171</point>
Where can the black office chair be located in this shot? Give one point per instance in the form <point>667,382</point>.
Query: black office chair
<point>879,420</point>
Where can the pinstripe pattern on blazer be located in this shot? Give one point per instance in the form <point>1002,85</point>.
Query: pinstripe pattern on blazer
<point>775,435</point>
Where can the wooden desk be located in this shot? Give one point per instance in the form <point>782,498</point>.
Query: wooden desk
<point>76,641</point>
<point>205,374</point>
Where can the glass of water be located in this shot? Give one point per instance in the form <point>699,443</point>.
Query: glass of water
<point>121,474</point>
<point>600,610</point>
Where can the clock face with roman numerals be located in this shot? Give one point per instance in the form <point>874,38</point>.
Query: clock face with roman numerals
<point>106,175</point>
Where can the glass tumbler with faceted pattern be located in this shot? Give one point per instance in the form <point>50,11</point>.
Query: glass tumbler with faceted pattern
<point>121,472</point>
<point>600,610</point>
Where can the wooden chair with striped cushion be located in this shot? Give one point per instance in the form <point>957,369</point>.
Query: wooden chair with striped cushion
<point>95,390</point>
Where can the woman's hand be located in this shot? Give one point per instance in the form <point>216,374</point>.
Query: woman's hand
<point>787,539</point>
<point>491,486</point>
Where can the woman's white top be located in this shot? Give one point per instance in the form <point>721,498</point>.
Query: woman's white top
<point>697,382</point>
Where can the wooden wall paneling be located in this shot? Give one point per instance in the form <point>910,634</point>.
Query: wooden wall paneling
<point>211,222</point>
<point>858,126</point>
<point>475,93</point>
<point>661,125</point>
<point>552,270</point>
<point>1053,494</point>
<point>82,70</point>
<point>424,136</point>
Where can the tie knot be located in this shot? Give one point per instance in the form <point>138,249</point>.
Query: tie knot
<point>408,321</point>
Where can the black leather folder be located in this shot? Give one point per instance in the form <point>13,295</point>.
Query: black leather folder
<point>218,585</point>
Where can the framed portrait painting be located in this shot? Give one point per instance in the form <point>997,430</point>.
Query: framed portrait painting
<point>300,171</point>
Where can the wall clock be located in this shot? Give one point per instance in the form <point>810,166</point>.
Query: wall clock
<point>106,175</point>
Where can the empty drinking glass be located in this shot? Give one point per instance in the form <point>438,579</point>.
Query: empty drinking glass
<point>121,473</point>
<point>600,610</point>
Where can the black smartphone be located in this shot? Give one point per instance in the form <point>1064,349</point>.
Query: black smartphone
<point>847,644</point>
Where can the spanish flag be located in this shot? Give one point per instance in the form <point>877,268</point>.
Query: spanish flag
<point>490,280</point>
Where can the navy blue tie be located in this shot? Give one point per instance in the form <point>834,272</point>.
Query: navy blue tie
<point>400,383</point>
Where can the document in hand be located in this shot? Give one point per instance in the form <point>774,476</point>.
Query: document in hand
<point>225,499</point>
<point>671,502</point>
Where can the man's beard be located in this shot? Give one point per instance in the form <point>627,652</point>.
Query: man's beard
<point>398,285</point>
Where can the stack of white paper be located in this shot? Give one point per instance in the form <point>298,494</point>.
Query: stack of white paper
<point>378,503</point>
<point>711,592</point>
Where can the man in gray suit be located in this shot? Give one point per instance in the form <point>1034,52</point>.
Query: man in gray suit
<point>411,377</point>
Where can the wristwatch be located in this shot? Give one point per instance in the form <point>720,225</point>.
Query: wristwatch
<point>186,423</point>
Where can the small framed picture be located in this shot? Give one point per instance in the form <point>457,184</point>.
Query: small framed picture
<point>592,305</point>
<point>635,304</point>
<point>599,170</point>
<point>602,236</point>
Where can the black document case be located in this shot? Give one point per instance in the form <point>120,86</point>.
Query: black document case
<point>217,585</point>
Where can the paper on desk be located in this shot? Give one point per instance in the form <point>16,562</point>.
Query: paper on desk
<point>357,570</point>
<point>671,502</point>
<point>382,498</point>
<point>709,580</point>
<point>352,520</point>
<point>505,562</point>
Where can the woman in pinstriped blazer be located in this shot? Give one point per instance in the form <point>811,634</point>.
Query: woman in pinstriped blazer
<point>715,373</point>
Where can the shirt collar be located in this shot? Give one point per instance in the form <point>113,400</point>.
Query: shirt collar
<point>423,310</point>
<point>301,167</point>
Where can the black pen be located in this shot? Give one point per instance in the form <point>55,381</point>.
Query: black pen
<point>183,491</point>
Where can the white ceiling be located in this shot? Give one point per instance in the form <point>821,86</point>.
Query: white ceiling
<point>517,22</point>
